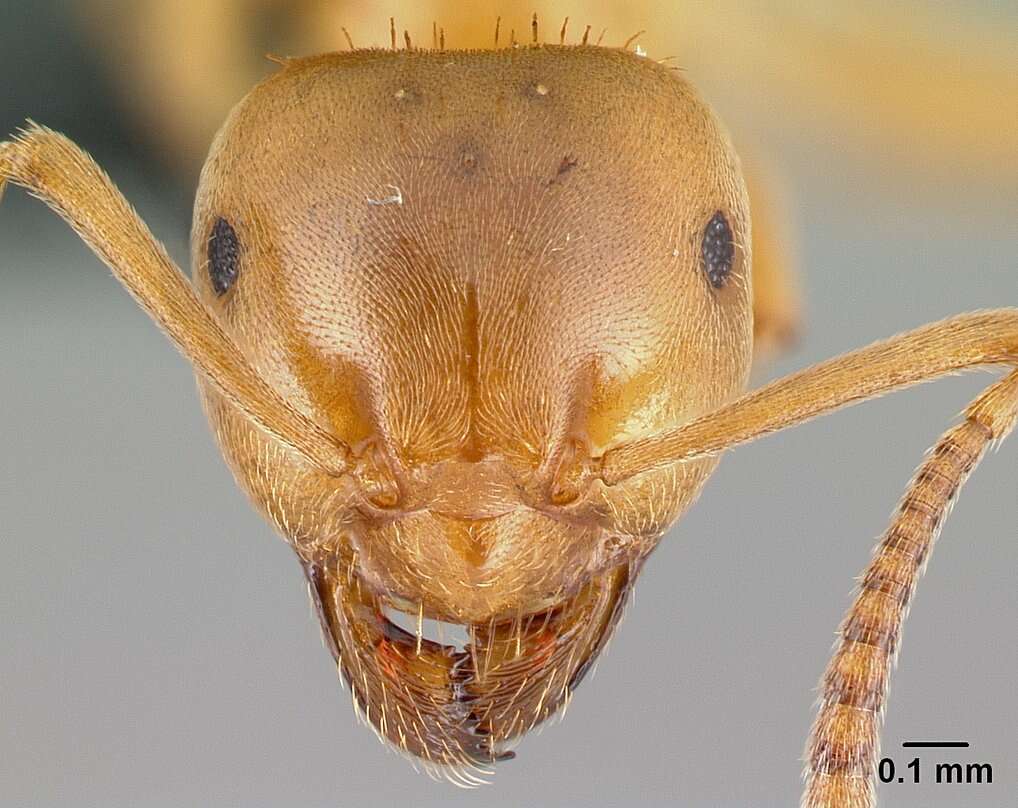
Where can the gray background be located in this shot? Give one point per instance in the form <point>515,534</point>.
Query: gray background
<point>156,644</point>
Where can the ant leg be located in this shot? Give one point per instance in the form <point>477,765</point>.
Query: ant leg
<point>54,169</point>
<point>844,743</point>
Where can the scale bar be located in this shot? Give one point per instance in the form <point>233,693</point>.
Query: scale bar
<point>936,744</point>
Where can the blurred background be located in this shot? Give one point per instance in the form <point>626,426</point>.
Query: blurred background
<point>157,644</point>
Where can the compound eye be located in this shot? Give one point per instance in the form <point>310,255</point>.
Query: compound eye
<point>224,256</point>
<point>717,250</point>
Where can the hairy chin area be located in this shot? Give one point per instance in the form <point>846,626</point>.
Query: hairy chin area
<point>456,708</point>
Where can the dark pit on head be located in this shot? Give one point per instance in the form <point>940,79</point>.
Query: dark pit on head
<point>469,158</point>
<point>568,164</point>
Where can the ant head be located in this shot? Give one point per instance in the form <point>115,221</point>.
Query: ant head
<point>479,270</point>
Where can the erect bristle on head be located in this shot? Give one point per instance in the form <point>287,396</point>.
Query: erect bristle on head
<point>633,39</point>
<point>438,38</point>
